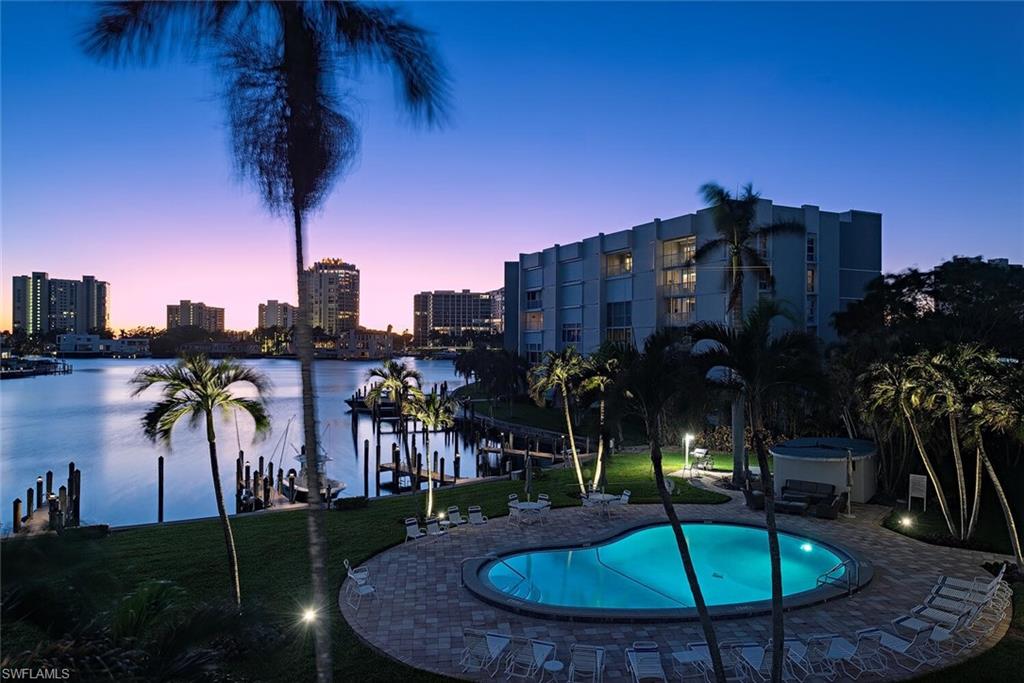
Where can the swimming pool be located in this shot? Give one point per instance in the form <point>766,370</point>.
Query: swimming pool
<point>639,573</point>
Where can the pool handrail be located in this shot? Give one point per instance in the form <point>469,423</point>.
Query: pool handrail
<point>597,554</point>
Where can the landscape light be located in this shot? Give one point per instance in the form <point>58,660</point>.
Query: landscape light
<point>309,615</point>
<point>807,547</point>
<point>906,521</point>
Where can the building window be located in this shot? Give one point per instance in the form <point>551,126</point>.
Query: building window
<point>620,314</point>
<point>812,248</point>
<point>619,263</point>
<point>762,244</point>
<point>535,321</point>
<point>811,281</point>
<point>534,300</point>
<point>534,353</point>
<point>679,311</point>
<point>812,309</point>
<point>620,335</point>
<point>680,280</point>
<point>677,253</point>
<point>764,280</point>
<point>572,333</point>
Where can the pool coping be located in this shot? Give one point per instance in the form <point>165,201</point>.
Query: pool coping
<point>471,569</point>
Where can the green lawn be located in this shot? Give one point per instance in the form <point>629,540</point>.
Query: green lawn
<point>989,536</point>
<point>275,569</point>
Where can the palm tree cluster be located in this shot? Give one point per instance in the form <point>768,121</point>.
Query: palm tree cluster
<point>499,372</point>
<point>279,64</point>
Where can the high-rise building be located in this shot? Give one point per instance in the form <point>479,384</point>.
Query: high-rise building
<point>452,314</point>
<point>333,295</point>
<point>42,304</point>
<point>195,314</point>
<point>276,313</point>
<point>625,285</point>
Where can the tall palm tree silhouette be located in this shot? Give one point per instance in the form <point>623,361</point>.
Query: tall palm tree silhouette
<point>279,62</point>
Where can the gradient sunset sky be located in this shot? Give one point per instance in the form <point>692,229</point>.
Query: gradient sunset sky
<point>569,119</point>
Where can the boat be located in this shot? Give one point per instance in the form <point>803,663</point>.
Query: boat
<point>331,488</point>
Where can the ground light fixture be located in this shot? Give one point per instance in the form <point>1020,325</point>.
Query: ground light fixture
<point>906,521</point>
<point>308,615</point>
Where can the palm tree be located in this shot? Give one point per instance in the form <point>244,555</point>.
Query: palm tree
<point>762,369</point>
<point>740,237</point>
<point>435,412</point>
<point>1000,407</point>
<point>560,371</point>
<point>652,381</point>
<point>401,382</point>
<point>290,134</point>
<point>889,385</point>
<point>600,372</point>
<point>196,388</point>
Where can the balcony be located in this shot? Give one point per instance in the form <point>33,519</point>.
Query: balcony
<point>676,319</point>
<point>677,259</point>
<point>534,304</point>
<point>677,289</point>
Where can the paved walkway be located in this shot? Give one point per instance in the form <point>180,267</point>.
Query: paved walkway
<point>422,609</point>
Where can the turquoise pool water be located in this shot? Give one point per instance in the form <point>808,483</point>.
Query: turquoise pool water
<point>642,570</point>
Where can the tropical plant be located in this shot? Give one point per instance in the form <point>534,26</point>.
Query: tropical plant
<point>400,382</point>
<point>435,412</point>
<point>762,369</point>
<point>560,371</point>
<point>652,382</point>
<point>196,388</point>
<point>741,238</point>
<point>600,372</point>
<point>290,134</point>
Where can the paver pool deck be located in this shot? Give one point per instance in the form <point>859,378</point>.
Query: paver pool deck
<point>422,609</point>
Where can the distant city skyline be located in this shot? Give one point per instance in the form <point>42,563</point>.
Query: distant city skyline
<point>570,119</point>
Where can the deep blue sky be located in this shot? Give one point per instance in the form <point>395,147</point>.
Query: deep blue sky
<point>569,119</point>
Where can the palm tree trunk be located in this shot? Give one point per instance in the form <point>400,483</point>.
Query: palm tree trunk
<point>738,447</point>
<point>774,554</point>
<point>961,484</point>
<point>976,504</point>
<point>315,522</point>
<point>222,513</point>
<point>932,475</point>
<point>684,554</point>
<point>1011,526</point>
<point>599,468</point>
<point>430,476</point>
<point>572,442</point>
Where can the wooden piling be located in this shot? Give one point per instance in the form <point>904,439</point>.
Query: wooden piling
<point>49,483</point>
<point>62,497</point>
<point>266,492</point>
<point>291,486</point>
<point>248,476</point>
<point>440,472</point>
<point>419,470</point>
<point>261,466</point>
<point>366,468</point>
<point>16,520</point>
<point>29,499</point>
<point>435,462</point>
<point>457,465</point>
<point>160,489</point>
<point>376,475</point>
<point>78,497</point>
<point>39,492</point>
<point>280,477</point>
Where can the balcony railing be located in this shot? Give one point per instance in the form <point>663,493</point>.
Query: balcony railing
<point>534,304</point>
<point>676,319</point>
<point>677,259</point>
<point>675,289</point>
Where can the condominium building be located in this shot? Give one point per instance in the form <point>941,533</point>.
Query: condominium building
<point>276,313</point>
<point>452,314</point>
<point>625,285</point>
<point>195,314</point>
<point>333,295</point>
<point>42,304</point>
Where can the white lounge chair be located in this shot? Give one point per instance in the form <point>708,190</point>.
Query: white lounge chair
<point>413,530</point>
<point>794,664</point>
<point>482,651</point>
<point>621,501</point>
<point>979,583</point>
<point>515,515</point>
<point>910,655</point>
<point>476,516</point>
<point>586,663</point>
<point>692,664</point>
<point>643,661</point>
<point>857,659</point>
<point>527,660</point>
<point>354,597</point>
<point>455,517</point>
<point>359,575</point>
<point>434,529</point>
<point>816,660</point>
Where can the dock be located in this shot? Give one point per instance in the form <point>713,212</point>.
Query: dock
<point>439,478</point>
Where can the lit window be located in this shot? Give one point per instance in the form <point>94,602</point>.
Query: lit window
<point>572,333</point>
<point>619,263</point>
<point>811,279</point>
<point>812,248</point>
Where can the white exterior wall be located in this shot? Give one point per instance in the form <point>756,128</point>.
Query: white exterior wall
<point>828,472</point>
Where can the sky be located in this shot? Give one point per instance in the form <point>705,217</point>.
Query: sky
<point>568,120</point>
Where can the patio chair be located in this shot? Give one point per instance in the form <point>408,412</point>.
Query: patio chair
<point>354,597</point>
<point>794,662</point>
<point>544,498</point>
<point>482,651</point>
<point>622,500</point>
<point>909,655</point>
<point>692,664</point>
<point>856,659</point>
<point>513,498</point>
<point>455,517</point>
<point>950,642</point>
<point>359,575</point>
<point>515,515</point>
<point>434,529</point>
<point>476,516</point>
<point>586,663</point>
<point>643,661</point>
<point>816,660</point>
<point>413,530</point>
<point>528,660</point>
<point>979,583</point>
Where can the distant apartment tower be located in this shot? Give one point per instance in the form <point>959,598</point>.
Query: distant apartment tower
<point>334,295</point>
<point>498,309</point>
<point>447,312</point>
<point>276,313</point>
<point>42,304</point>
<point>196,314</point>
<point>625,285</point>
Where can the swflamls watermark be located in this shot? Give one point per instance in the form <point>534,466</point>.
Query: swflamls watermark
<point>37,674</point>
